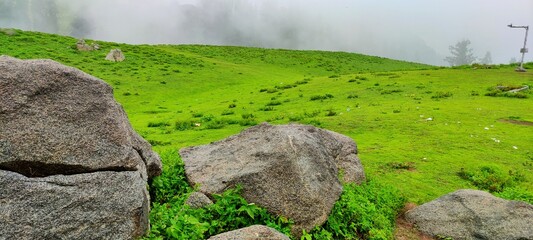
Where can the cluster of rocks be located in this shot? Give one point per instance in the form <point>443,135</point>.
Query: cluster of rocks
<point>71,166</point>
<point>114,55</point>
<point>81,45</point>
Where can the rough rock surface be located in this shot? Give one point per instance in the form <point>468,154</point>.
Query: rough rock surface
<point>473,214</point>
<point>292,170</point>
<point>198,200</point>
<point>99,205</point>
<point>68,152</point>
<point>254,232</point>
<point>56,119</point>
<point>81,45</point>
<point>115,55</point>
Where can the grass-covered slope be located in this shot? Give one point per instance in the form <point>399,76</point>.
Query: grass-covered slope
<point>426,131</point>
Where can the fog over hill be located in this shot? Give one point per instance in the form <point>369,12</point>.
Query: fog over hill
<point>416,30</point>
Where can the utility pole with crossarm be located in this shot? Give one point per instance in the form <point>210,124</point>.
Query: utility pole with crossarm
<point>522,50</point>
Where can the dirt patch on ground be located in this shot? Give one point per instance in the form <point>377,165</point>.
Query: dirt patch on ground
<point>517,122</point>
<point>405,230</point>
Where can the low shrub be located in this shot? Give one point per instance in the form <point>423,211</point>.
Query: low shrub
<point>158,124</point>
<point>215,124</point>
<point>439,95</point>
<point>158,143</point>
<point>366,211</point>
<point>227,112</point>
<point>321,97</point>
<point>287,86</point>
<point>401,165</point>
<point>273,103</point>
<point>296,118</point>
<point>184,125</point>
<point>312,114</point>
<point>384,92</point>
<point>247,116</point>
<point>266,108</point>
<point>197,115</point>
<point>305,81</point>
<point>492,178</point>
<point>247,122</point>
<point>207,118</point>
<point>353,95</point>
<point>330,113</point>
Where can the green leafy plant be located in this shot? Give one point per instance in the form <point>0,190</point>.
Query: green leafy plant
<point>492,178</point>
<point>184,125</point>
<point>366,211</point>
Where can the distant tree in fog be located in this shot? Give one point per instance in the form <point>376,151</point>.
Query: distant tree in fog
<point>462,54</point>
<point>513,60</point>
<point>487,59</point>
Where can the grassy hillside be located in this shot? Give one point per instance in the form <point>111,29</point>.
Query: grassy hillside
<point>424,130</point>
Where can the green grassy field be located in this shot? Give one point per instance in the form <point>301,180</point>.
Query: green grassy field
<point>417,126</point>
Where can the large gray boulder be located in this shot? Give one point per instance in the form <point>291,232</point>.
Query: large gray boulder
<point>62,135</point>
<point>473,214</point>
<point>292,170</point>
<point>254,232</point>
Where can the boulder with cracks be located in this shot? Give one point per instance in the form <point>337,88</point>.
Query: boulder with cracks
<point>291,170</point>
<point>71,166</point>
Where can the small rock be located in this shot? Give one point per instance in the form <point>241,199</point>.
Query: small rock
<point>115,55</point>
<point>254,232</point>
<point>198,200</point>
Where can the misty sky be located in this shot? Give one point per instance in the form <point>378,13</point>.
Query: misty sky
<point>415,30</point>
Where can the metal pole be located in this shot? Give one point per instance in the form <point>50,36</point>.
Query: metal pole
<point>523,50</point>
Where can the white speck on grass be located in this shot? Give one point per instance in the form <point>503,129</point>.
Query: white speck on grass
<point>429,119</point>
<point>515,147</point>
<point>486,128</point>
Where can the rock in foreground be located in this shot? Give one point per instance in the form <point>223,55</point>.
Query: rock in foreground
<point>255,232</point>
<point>292,170</point>
<point>99,205</point>
<point>473,214</point>
<point>71,164</point>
